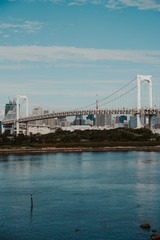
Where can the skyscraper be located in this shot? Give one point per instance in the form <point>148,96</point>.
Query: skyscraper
<point>9,106</point>
<point>100,120</point>
<point>122,118</point>
<point>79,120</point>
<point>133,122</point>
<point>10,109</point>
<point>103,120</point>
<point>37,111</point>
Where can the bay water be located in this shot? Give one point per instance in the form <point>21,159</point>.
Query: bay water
<point>79,196</point>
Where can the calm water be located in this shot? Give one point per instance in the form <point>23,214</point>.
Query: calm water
<point>105,195</point>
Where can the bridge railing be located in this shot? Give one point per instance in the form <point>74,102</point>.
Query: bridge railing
<point>127,111</point>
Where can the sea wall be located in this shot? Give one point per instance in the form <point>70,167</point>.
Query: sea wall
<point>80,149</point>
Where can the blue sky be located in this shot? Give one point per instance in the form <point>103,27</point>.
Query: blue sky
<point>62,53</point>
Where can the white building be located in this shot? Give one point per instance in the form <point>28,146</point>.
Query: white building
<point>103,120</point>
<point>37,111</point>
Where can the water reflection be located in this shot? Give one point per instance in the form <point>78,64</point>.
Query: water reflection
<point>98,193</point>
<point>147,186</point>
<point>31,210</point>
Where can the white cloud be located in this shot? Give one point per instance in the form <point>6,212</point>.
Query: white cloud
<point>140,4</point>
<point>53,54</point>
<point>6,36</point>
<point>118,4</point>
<point>57,1</point>
<point>92,81</point>
<point>26,89</point>
<point>82,2</point>
<point>27,26</point>
<point>78,2</point>
<point>74,92</point>
<point>113,4</point>
<point>17,67</point>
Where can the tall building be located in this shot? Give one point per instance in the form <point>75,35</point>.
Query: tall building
<point>154,120</point>
<point>37,111</point>
<point>63,122</point>
<point>58,122</point>
<point>10,112</point>
<point>89,122</point>
<point>10,106</point>
<point>52,122</point>
<point>45,121</point>
<point>122,118</point>
<point>10,109</point>
<point>91,119</point>
<point>133,122</point>
<point>157,125</point>
<point>79,120</point>
<point>108,120</point>
<point>103,120</point>
<point>100,120</point>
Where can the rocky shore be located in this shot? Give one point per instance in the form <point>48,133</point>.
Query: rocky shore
<point>79,149</point>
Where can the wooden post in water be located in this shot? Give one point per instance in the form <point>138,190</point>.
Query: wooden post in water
<point>31,202</point>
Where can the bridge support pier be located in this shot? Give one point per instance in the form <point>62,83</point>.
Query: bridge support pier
<point>150,122</point>
<point>17,128</point>
<point>139,121</point>
<point>27,128</point>
<point>18,109</point>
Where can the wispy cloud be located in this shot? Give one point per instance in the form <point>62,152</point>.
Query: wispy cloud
<point>17,67</point>
<point>112,4</point>
<point>118,4</point>
<point>27,90</point>
<point>5,36</point>
<point>140,4</point>
<point>53,54</point>
<point>20,26</point>
<point>57,1</point>
<point>92,81</point>
<point>77,2</point>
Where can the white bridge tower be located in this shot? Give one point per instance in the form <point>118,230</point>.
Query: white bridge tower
<point>18,109</point>
<point>148,79</point>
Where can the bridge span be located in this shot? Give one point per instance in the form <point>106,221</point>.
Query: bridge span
<point>128,111</point>
<point>118,103</point>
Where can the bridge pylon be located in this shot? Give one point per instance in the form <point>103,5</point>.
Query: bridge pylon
<point>148,79</point>
<point>18,110</point>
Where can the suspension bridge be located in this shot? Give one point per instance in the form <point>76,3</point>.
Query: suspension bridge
<point>130,99</point>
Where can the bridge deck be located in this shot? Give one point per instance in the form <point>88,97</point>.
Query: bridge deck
<point>131,111</point>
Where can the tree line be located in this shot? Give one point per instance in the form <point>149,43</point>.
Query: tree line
<point>86,138</point>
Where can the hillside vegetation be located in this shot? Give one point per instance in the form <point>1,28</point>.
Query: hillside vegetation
<point>87,138</point>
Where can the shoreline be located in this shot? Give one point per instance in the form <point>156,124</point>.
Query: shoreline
<point>79,149</point>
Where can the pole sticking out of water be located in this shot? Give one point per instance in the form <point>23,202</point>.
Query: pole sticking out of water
<point>31,202</point>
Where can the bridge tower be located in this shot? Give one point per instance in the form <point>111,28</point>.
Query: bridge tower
<point>18,110</point>
<point>148,79</point>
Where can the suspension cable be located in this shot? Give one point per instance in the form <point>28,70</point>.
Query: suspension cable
<point>121,94</point>
<point>87,106</point>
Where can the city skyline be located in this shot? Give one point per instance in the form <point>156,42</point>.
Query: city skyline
<point>64,53</point>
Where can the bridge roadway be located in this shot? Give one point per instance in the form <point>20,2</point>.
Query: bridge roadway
<point>123,111</point>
